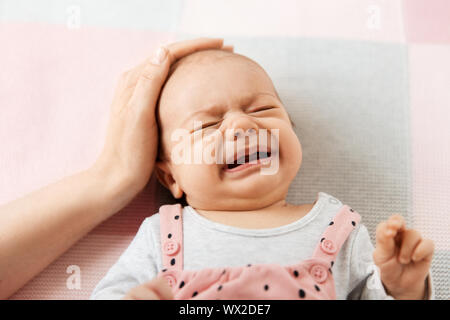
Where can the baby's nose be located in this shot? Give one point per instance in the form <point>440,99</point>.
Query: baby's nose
<point>239,125</point>
<point>240,133</point>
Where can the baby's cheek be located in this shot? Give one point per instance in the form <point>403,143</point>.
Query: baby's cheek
<point>196,178</point>
<point>291,150</point>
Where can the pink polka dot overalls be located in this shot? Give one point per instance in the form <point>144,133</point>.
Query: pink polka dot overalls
<point>307,279</point>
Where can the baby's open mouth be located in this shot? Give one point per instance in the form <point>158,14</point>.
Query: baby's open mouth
<point>248,159</point>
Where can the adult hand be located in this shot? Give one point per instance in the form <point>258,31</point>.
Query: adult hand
<point>131,146</point>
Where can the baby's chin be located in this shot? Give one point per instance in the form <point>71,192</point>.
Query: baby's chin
<point>249,180</point>
<point>246,200</point>
<point>249,192</point>
<point>255,188</point>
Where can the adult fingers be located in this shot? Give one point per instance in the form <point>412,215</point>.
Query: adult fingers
<point>228,48</point>
<point>178,50</point>
<point>183,48</point>
<point>128,79</point>
<point>155,71</point>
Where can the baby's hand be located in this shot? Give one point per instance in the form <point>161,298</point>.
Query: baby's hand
<point>403,257</point>
<point>156,289</point>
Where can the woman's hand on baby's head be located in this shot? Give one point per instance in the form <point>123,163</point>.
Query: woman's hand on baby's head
<point>156,289</point>
<point>130,150</point>
<point>404,258</point>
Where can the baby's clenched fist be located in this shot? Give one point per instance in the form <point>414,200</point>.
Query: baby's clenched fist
<point>403,257</point>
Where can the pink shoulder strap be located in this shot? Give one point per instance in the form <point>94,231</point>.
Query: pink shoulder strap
<point>171,228</point>
<point>338,230</point>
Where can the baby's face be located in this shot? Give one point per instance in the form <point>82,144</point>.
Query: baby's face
<point>224,91</point>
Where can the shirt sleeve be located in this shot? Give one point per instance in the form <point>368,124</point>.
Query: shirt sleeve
<point>365,278</point>
<point>135,266</point>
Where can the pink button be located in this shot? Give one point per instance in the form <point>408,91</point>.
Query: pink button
<point>171,247</point>
<point>319,273</point>
<point>328,246</point>
<point>171,280</point>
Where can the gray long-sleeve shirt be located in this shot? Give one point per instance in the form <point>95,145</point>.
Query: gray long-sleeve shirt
<point>208,244</point>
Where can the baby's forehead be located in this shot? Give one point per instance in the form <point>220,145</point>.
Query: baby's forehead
<point>210,77</point>
<point>210,56</point>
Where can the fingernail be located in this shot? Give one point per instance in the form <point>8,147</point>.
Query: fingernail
<point>228,48</point>
<point>160,55</point>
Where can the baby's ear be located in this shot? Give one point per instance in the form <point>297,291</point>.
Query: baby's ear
<point>165,177</point>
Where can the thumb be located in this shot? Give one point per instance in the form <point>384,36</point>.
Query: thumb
<point>150,81</point>
<point>156,69</point>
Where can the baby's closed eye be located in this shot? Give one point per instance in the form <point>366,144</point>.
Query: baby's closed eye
<point>203,125</point>
<point>260,109</point>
